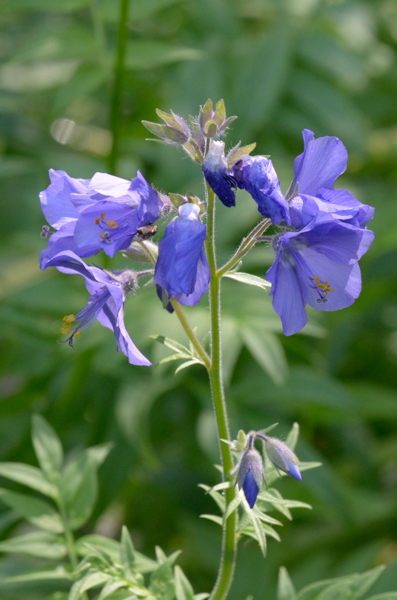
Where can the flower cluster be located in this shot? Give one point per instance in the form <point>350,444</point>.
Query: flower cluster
<point>249,469</point>
<point>324,230</point>
<point>110,214</point>
<point>320,238</point>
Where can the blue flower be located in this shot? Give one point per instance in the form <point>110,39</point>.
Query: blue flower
<point>316,266</point>
<point>182,268</point>
<point>215,170</point>
<point>281,456</point>
<point>102,213</point>
<point>257,176</point>
<point>250,474</point>
<point>105,303</point>
<point>316,170</point>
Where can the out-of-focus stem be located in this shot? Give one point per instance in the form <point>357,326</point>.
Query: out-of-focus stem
<point>115,103</point>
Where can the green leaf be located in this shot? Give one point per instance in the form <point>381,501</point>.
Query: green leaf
<point>233,505</point>
<point>37,511</point>
<point>40,575</point>
<point>35,544</point>
<point>214,518</point>
<point>127,555</point>
<point>365,581</point>
<point>292,437</point>
<point>48,447</point>
<point>183,589</point>
<point>314,590</point>
<point>111,547</point>
<point>188,363</point>
<point>91,580</point>
<point>172,344</point>
<point>110,587</point>
<point>220,500</point>
<point>258,533</point>
<point>385,596</point>
<point>66,6</point>
<point>248,279</point>
<point>98,454</point>
<point>79,489</point>
<point>145,54</point>
<point>29,476</point>
<point>285,588</point>
<point>162,580</point>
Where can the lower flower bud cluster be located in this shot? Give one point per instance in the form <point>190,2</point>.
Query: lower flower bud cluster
<point>250,470</point>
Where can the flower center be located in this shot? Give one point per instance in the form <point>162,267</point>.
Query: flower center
<point>105,235</point>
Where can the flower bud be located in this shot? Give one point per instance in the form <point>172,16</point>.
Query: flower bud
<point>281,456</point>
<point>250,475</point>
<point>214,122</point>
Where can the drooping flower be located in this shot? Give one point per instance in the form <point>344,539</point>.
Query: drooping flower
<point>105,303</point>
<point>215,171</point>
<point>316,266</point>
<point>257,176</point>
<point>250,474</point>
<point>254,174</point>
<point>323,160</point>
<point>102,213</point>
<point>281,456</point>
<point>182,268</point>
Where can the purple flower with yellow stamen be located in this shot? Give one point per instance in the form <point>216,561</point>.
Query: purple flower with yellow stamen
<point>182,268</point>
<point>105,303</point>
<point>102,213</point>
<point>317,266</point>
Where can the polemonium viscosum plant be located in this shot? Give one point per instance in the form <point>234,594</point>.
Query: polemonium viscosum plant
<point>318,235</point>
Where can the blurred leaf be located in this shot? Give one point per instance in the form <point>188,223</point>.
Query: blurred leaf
<point>183,589</point>
<point>91,580</point>
<point>111,547</point>
<point>79,488</point>
<point>48,447</point>
<point>145,54</point>
<point>30,476</point>
<point>285,590</point>
<point>66,6</point>
<point>38,512</point>
<point>84,81</point>
<point>40,575</point>
<point>268,352</point>
<point>127,556</point>
<point>40,544</point>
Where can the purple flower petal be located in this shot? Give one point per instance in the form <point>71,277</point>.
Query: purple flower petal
<point>55,200</point>
<point>321,163</point>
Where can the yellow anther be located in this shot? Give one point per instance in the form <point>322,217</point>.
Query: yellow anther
<point>316,278</point>
<point>103,215</point>
<point>112,224</point>
<point>69,319</point>
<point>77,334</point>
<point>97,221</point>
<point>104,235</point>
<point>65,330</point>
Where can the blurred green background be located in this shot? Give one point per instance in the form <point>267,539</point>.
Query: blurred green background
<point>281,66</point>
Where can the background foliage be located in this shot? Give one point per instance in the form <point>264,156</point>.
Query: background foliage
<point>280,66</point>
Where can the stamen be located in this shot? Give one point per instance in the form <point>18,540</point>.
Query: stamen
<point>112,224</point>
<point>69,319</point>
<point>97,221</point>
<point>325,287</point>
<point>45,232</point>
<point>103,215</point>
<point>65,330</point>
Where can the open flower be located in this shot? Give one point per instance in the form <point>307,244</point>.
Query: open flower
<point>105,303</point>
<point>182,268</point>
<point>316,266</point>
<point>102,213</point>
<point>323,160</point>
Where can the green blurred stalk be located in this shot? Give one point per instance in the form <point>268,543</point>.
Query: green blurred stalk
<point>229,538</point>
<point>115,103</point>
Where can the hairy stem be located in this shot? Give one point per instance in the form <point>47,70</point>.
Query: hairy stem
<point>229,539</point>
<point>245,246</point>
<point>115,104</point>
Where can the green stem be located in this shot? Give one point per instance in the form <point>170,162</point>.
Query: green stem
<point>229,540</point>
<point>190,333</point>
<point>245,246</point>
<point>182,318</point>
<point>69,539</point>
<point>115,104</point>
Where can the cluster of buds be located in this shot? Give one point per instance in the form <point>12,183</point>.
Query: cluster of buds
<point>193,137</point>
<point>249,469</point>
